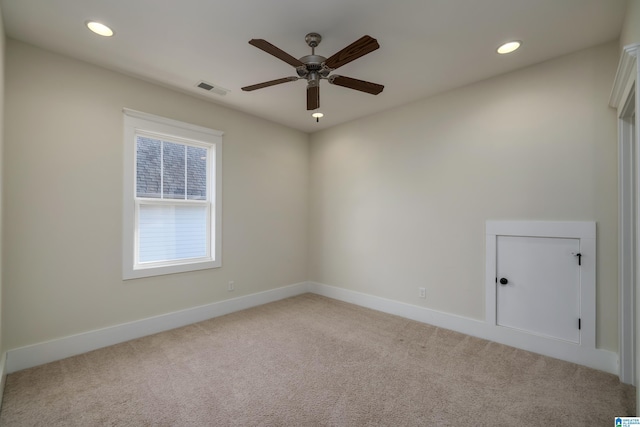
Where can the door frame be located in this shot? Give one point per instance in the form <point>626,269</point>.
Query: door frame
<point>585,231</point>
<point>625,98</point>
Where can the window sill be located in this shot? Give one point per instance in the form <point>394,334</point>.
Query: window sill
<point>137,273</point>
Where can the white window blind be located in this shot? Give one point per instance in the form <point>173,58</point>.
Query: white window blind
<point>170,233</point>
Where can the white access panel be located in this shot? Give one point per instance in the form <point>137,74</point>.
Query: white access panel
<point>542,290</point>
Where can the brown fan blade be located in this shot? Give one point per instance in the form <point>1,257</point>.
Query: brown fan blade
<point>313,97</point>
<point>361,85</point>
<point>269,83</point>
<point>275,51</point>
<point>355,50</point>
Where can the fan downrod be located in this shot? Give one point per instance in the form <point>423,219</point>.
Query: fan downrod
<point>312,69</point>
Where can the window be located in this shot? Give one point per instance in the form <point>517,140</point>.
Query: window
<point>172,197</point>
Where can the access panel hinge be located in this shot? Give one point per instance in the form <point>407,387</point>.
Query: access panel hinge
<point>579,255</point>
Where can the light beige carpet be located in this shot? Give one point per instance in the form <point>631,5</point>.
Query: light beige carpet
<point>312,361</point>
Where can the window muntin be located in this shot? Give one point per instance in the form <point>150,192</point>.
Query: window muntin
<point>170,170</point>
<point>172,210</point>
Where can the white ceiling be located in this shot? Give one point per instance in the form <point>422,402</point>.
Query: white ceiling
<point>426,46</point>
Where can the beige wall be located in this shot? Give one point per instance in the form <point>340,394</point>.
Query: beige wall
<point>399,200</point>
<point>63,200</point>
<point>394,201</point>
<point>630,33</point>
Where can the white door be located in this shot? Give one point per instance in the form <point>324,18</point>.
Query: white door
<point>538,285</point>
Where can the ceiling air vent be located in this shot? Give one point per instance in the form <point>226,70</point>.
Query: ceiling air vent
<point>212,88</point>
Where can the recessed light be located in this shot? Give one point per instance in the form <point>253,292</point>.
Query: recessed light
<point>509,47</point>
<point>99,28</point>
<point>317,116</point>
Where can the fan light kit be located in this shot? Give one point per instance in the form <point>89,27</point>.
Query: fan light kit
<point>100,29</point>
<point>314,68</point>
<point>509,47</point>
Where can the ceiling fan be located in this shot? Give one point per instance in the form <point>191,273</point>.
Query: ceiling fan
<point>314,67</point>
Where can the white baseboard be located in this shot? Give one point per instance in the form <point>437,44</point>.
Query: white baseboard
<point>603,360</point>
<point>50,351</point>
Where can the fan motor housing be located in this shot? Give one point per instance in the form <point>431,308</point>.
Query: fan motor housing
<point>313,61</point>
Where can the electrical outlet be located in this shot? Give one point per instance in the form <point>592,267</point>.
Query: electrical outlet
<point>422,292</point>
<point>231,286</point>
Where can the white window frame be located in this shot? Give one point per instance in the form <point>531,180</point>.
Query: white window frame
<point>149,125</point>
